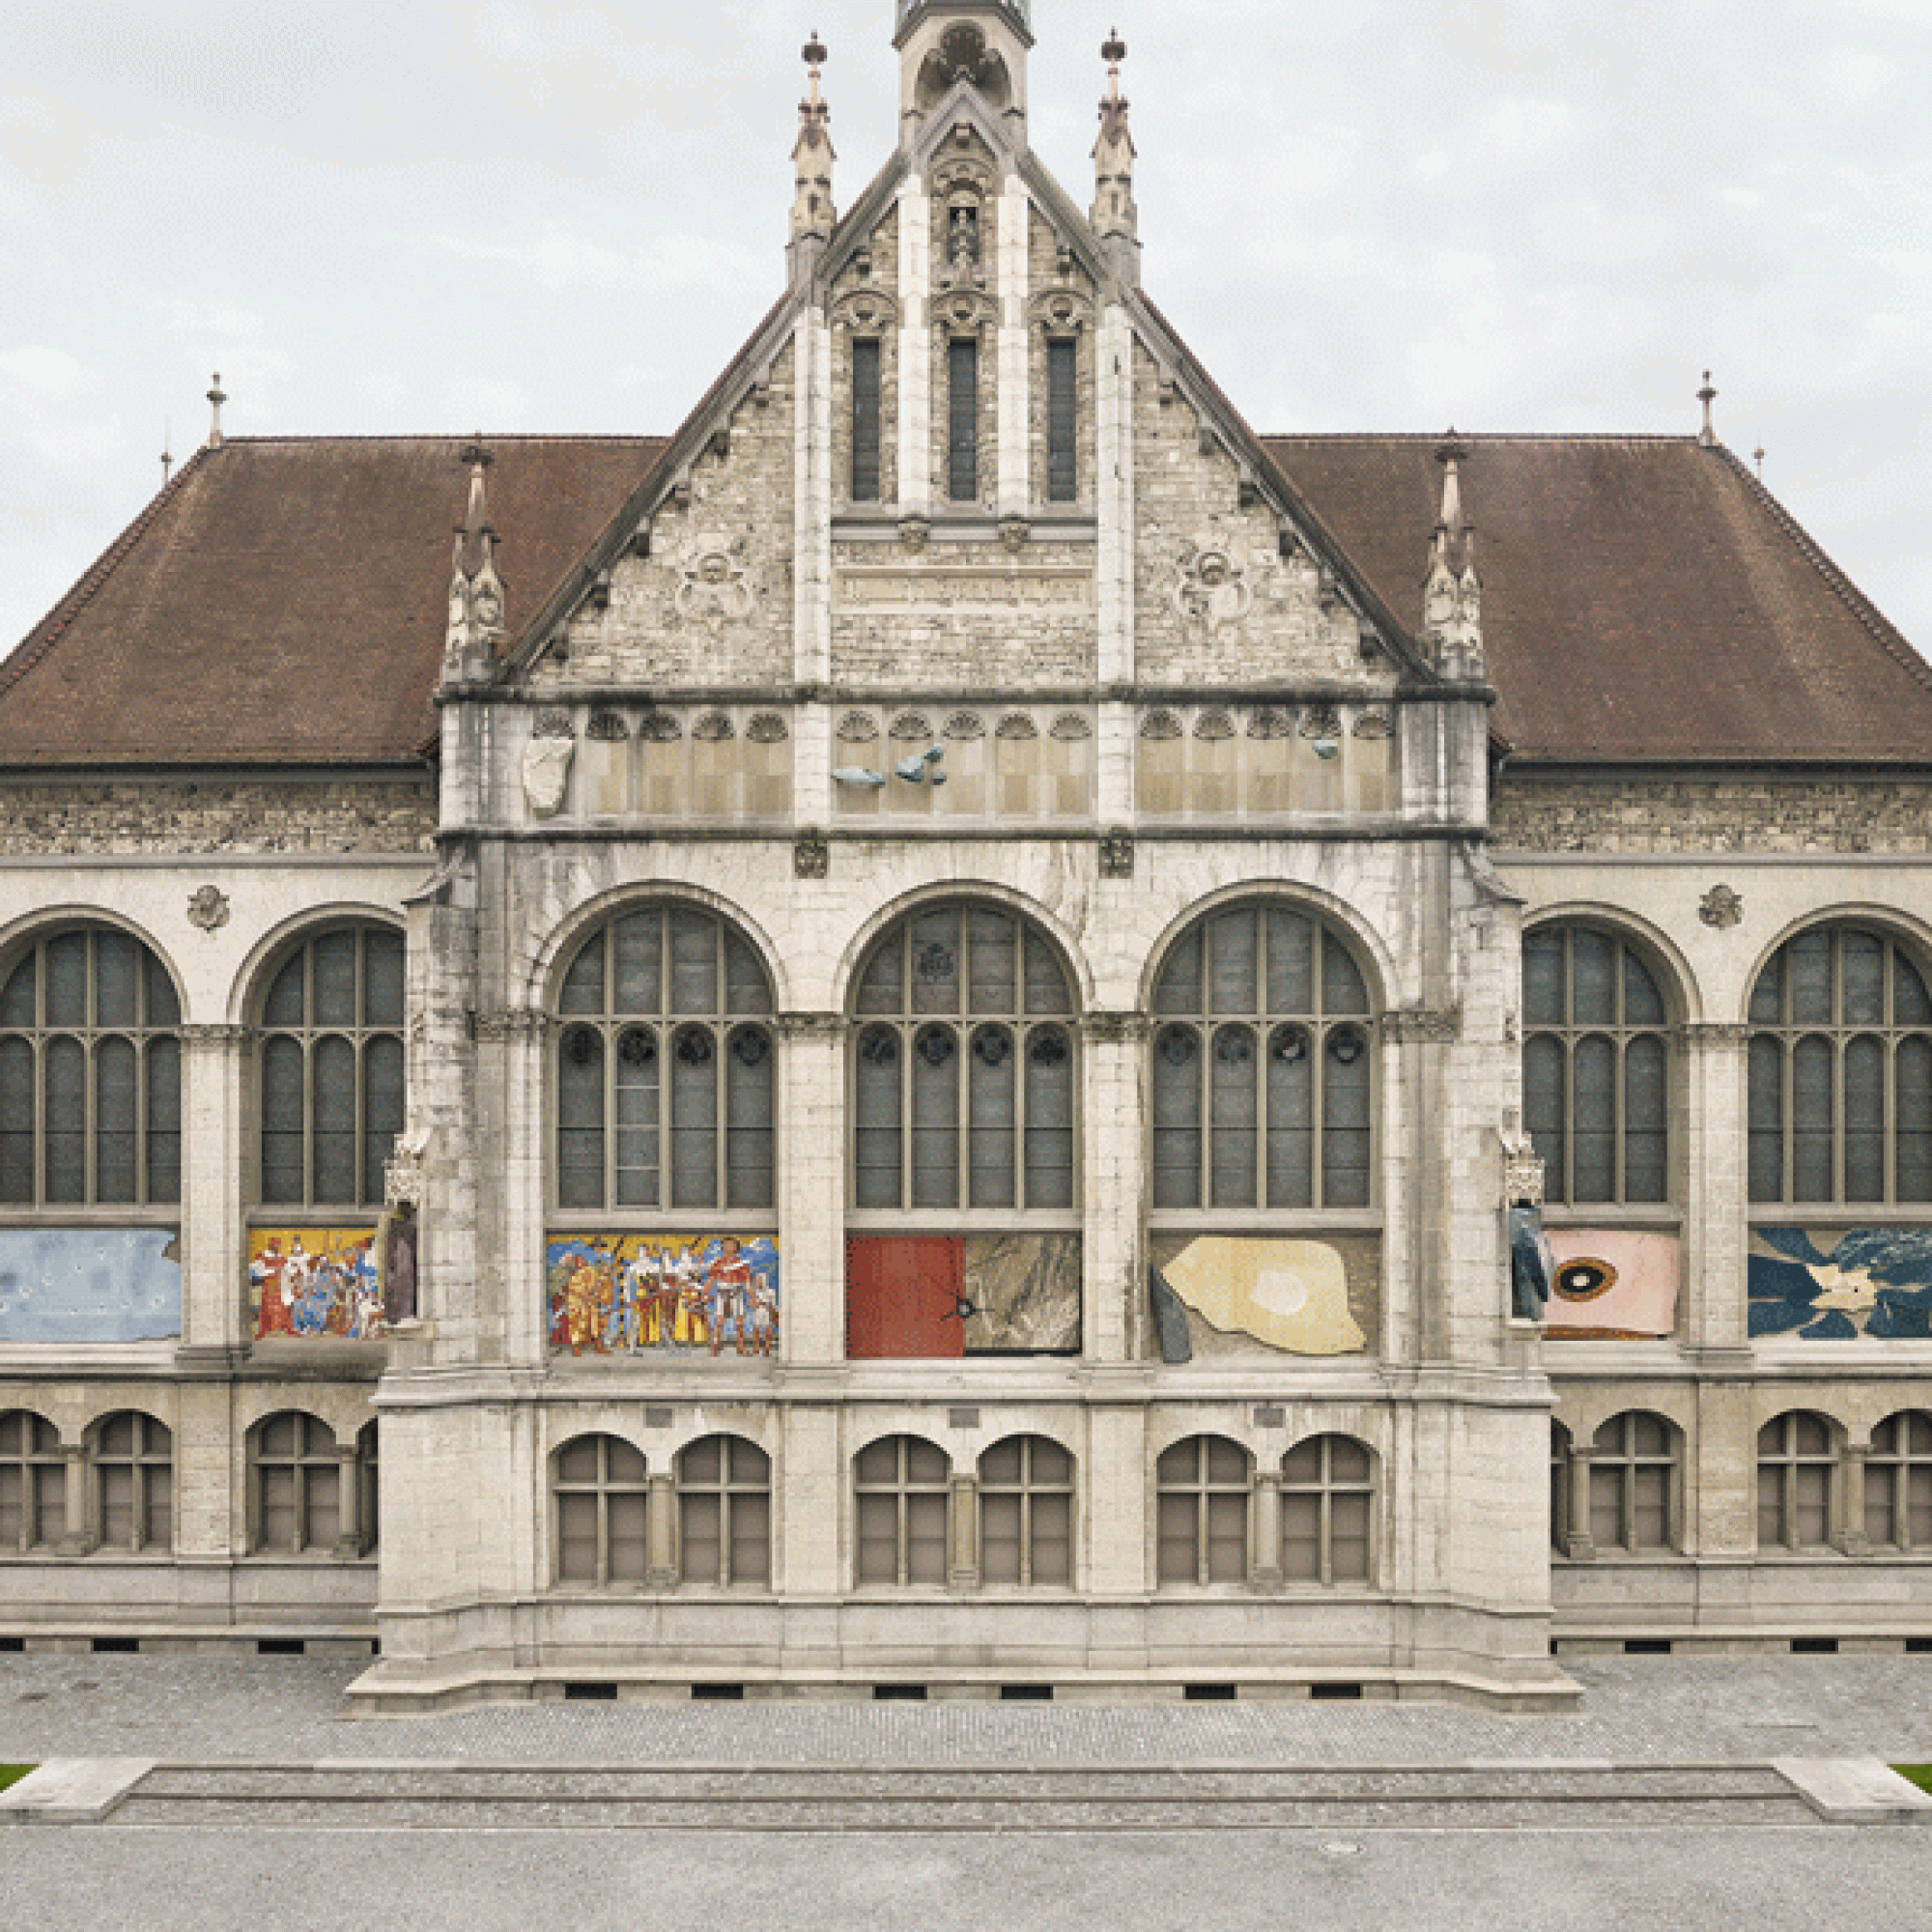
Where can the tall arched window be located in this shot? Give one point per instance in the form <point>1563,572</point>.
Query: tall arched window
<point>32,1483</point>
<point>332,1100</point>
<point>1596,1069</point>
<point>1798,1488</point>
<point>599,1491</point>
<point>1202,1489</point>
<point>1026,1512</point>
<point>724,1512</point>
<point>133,1459</point>
<point>964,1068</point>
<point>1327,1512</point>
<point>666,1067</point>
<point>1264,1063</point>
<point>1841,1072</point>
<point>90,1073</point>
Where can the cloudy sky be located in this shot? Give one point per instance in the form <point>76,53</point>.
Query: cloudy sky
<point>426,215</point>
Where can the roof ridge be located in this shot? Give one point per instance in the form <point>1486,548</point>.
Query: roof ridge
<point>1479,436</point>
<point>457,437</point>
<point>1884,632</point>
<point>40,639</point>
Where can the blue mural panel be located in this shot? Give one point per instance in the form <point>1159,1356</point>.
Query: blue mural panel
<point>1842,1284</point>
<point>89,1285</point>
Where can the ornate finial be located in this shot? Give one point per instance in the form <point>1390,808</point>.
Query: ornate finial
<point>1757,457</point>
<point>477,595</point>
<point>813,215</point>
<point>1115,218</point>
<point>1452,597</point>
<point>167,452</point>
<point>1707,395</point>
<point>217,397</point>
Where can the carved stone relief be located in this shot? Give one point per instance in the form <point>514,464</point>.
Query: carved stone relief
<point>1210,591</point>
<point>714,587</point>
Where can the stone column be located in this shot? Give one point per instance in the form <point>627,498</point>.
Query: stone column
<point>1851,1537</point>
<point>1113,1270</point>
<point>1264,1569</point>
<point>660,1534</point>
<point>1711,1126</point>
<point>214,1161</point>
<point>915,350</point>
<point>348,1501</point>
<point>512,1049</point>
<point>962,1532</point>
<point>1115,351</point>
<point>1578,1544</point>
<point>1015,374</point>
<point>81,1533</point>
<point>812,1188</point>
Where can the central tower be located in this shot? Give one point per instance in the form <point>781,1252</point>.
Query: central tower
<point>944,42</point>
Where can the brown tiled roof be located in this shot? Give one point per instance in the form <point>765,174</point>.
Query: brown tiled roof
<point>1644,599</point>
<point>283,601</point>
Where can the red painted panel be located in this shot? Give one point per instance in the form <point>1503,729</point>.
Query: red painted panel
<point>903,1298</point>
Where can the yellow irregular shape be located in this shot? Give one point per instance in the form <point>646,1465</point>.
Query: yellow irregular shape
<point>1291,1296</point>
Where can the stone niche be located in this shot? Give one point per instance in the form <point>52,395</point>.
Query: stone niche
<point>1021,762</point>
<point>1218,761</point>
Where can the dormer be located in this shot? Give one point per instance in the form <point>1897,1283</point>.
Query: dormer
<point>942,43</point>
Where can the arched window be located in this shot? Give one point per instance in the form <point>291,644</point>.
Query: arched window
<point>133,1458</point>
<point>724,1512</point>
<point>964,1069</point>
<point>1203,1486</point>
<point>1263,1086</point>
<point>1797,1482</point>
<point>903,1486</point>
<point>1327,1512</point>
<point>1596,1069</point>
<point>1899,1484</point>
<point>1635,1477</point>
<point>1841,1072</point>
<point>369,1476</point>
<point>1559,1488</point>
<point>666,1067</point>
<point>90,1073</point>
<point>295,1486</point>
<point>33,1483</point>
<point>332,1069</point>
<point>1026,1512</point>
<point>599,1493</point>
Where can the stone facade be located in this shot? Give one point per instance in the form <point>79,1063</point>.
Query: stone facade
<point>1153,709</point>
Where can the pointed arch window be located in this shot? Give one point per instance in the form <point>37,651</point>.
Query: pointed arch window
<point>1596,1069</point>
<point>665,1068</point>
<point>1263,1077</point>
<point>332,1099</point>
<point>90,1073</point>
<point>1841,1072</point>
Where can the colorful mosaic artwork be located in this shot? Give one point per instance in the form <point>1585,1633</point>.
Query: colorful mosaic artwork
<point>1611,1285</point>
<point>1296,1297</point>
<point>616,1295</point>
<point>1843,1284</point>
<point>924,1297</point>
<point>89,1285</point>
<point>310,1282</point>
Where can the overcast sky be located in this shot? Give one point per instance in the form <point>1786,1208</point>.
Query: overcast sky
<point>383,216</point>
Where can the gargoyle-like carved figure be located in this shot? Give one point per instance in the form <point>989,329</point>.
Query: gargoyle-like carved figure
<point>714,589</point>
<point>1210,591</point>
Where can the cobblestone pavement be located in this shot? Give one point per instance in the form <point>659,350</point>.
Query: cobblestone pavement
<point>1637,1711</point>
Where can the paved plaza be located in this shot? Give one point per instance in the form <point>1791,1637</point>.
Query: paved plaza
<point>1658,1804</point>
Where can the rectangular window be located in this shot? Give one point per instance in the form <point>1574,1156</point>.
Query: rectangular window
<point>963,439</point>
<point>1062,468</point>
<point>865,422</point>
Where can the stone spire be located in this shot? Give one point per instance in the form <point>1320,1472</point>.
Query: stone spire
<point>1707,395</point>
<point>476,591</point>
<point>814,214</point>
<point>1116,220</point>
<point>1452,595</point>
<point>984,43</point>
<point>217,397</point>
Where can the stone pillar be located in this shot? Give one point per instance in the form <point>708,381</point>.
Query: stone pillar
<point>915,350</point>
<point>811,1197</point>
<point>1016,372</point>
<point>660,1534</point>
<point>1711,1124</point>
<point>348,1501</point>
<point>1264,1571</point>
<point>1851,1537</point>
<point>512,1049</point>
<point>1113,1270</point>
<point>1119,1486</point>
<point>1578,1544</point>
<point>812,1508</point>
<point>215,1158</point>
<point>1115,349</point>
<point>81,1533</point>
<point>962,1534</point>
<point>811,500</point>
